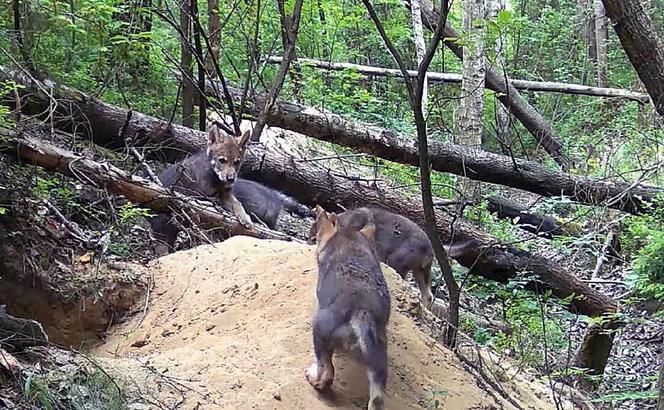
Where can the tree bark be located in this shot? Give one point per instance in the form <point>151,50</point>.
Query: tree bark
<point>593,352</point>
<point>538,127</point>
<point>214,34</point>
<point>471,124</point>
<point>476,164</point>
<point>644,49</point>
<point>588,23</point>
<point>136,189</point>
<point>538,224</point>
<point>601,36</point>
<point>188,91</point>
<point>474,70</point>
<point>420,48</point>
<point>660,383</point>
<point>502,115</point>
<point>200,64</point>
<point>443,78</point>
<point>480,165</point>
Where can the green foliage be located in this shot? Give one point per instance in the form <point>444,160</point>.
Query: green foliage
<point>128,213</point>
<point>78,390</point>
<point>647,276</point>
<point>502,229</point>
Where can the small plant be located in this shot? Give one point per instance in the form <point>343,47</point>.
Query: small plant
<point>129,213</point>
<point>437,399</point>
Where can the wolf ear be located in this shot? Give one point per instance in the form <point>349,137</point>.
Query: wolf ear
<point>369,231</point>
<point>243,140</point>
<point>214,134</point>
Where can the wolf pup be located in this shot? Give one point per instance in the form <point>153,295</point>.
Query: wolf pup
<point>353,305</point>
<point>265,203</point>
<point>209,173</point>
<point>400,243</point>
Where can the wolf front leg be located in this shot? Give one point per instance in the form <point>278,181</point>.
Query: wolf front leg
<point>231,202</point>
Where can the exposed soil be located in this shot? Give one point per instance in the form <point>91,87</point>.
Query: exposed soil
<point>229,326</point>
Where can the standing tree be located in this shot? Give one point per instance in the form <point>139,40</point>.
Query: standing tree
<point>644,49</point>
<point>214,34</point>
<point>472,84</point>
<point>601,35</point>
<point>503,121</point>
<point>420,47</point>
<point>185,65</point>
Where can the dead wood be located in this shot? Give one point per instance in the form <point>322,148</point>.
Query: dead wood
<point>19,334</point>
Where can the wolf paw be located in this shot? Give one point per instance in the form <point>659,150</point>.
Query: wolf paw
<point>317,381</point>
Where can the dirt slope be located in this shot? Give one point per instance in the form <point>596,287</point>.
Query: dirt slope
<point>229,326</point>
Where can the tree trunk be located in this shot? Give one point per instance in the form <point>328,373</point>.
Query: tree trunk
<point>472,84</point>
<point>200,64</point>
<point>133,187</point>
<point>476,164</point>
<point>502,115</point>
<point>588,24</point>
<point>660,383</point>
<point>295,72</point>
<point>446,78</point>
<point>538,127</point>
<point>480,165</point>
<point>188,91</point>
<point>472,87</point>
<point>601,36</point>
<point>594,351</point>
<point>420,48</point>
<point>531,222</point>
<point>311,184</point>
<point>214,35</point>
<point>644,49</point>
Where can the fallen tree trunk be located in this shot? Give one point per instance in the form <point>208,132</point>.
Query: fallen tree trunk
<point>134,188</point>
<point>437,78</point>
<point>456,159</point>
<point>307,182</point>
<point>475,164</point>
<point>508,95</point>
<point>538,224</point>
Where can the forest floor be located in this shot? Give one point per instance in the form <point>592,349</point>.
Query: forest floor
<point>77,290</point>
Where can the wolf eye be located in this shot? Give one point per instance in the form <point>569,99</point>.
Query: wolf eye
<point>221,159</point>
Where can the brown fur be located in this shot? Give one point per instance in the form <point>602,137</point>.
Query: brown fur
<point>353,305</point>
<point>208,173</point>
<point>400,243</point>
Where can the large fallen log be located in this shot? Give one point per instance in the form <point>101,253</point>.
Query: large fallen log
<point>310,184</point>
<point>508,95</point>
<point>456,159</point>
<point>136,189</point>
<point>441,78</point>
<point>471,163</point>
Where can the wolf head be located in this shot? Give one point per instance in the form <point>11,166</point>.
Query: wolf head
<point>226,153</point>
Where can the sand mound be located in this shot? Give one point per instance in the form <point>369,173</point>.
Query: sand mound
<point>229,326</point>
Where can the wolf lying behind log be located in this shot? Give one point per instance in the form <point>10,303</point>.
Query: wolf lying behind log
<point>400,243</point>
<point>208,173</point>
<point>353,305</point>
<point>265,203</point>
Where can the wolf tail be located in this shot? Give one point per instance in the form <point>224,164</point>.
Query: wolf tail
<point>374,352</point>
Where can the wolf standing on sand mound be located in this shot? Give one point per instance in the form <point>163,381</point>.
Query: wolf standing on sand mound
<point>353,305</point>
<point>400,244</point>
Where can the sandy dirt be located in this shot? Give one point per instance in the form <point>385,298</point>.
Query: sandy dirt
<point>229,326</point>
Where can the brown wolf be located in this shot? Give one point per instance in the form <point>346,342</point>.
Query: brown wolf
<point>400,243</point>
<point>208,173</point>
<point>353,305</point>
